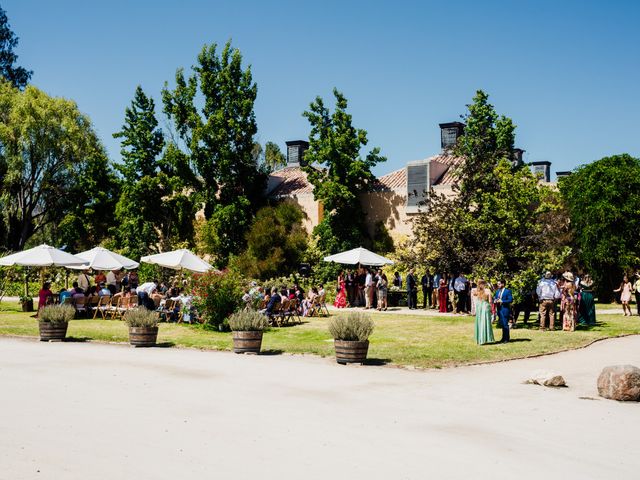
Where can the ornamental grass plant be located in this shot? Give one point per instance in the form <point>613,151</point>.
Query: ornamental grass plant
<point>354,327</point>
<point>57,314</point>
<point>248,321</point>
<point>141,317</point>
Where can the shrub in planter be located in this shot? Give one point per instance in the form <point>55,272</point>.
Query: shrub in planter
<point>143,327</point>
<point>27,303</point>
<point>53,321</point>
<point>247,327</point>
<point>351,337</point>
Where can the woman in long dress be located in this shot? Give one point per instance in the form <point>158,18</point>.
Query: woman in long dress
<point>568,303</point>
<point>484,330</point>
<point>341,296</point>
<point>625,290</point>
<point>587,310</point>
<point>443,293</point>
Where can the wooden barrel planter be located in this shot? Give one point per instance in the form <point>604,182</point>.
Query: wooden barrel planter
<point>247,342</point>
<point>143,336</point>
<point>27,305</point>
<point>52,331</point>
<point>351,351</point>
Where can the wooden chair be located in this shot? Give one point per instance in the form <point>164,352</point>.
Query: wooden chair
<point>103,306</point>
<point>91,303</point>
<point>292,311</point>
<point>80,305</point>
<point>274,315</point>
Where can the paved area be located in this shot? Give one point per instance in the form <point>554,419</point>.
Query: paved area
<point>98,411</point>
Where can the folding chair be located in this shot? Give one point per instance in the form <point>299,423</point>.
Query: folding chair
<point>80,305</point>
<point>91,303</point>
<point>275,313</point>
<point>104,303</point>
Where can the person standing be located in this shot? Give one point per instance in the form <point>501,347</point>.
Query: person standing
<point>636,289</point>
<point>436,284</point>
<point>460,285</point>
<point>484,330</point>
<point>84,281</point>
<point>427,289</point>
<point>503,300</point>
<point>568,303</point>
<point>382,291</point>
<point>341,296</point>
<point>442,296</point>
<point>397,280</point>
<point>412,290</point>
<point>368,289</point>
<point>350,282</point>
<point>625,289</point>
<point>587,309</point>
<point>548,293</point>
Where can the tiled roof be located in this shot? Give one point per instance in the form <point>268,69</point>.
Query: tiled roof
<point>293,181</point>
<point>450,175</point>
<point>391,181</point>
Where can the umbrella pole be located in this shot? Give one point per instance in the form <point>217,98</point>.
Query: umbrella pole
<point>26,281</point>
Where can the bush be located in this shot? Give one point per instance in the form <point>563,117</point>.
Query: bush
<point>356,326</point>
<point>141,317</point>
<point>248,321</point>
<point>216,295</point>
<point>57,314</point>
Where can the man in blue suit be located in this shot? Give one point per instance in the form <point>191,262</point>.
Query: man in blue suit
<point>503,300</point>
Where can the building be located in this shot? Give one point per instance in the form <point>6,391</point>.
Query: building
<point>395,198</point>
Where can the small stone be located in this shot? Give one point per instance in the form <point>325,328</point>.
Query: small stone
<point>620,382</point>
<point>546,378</point>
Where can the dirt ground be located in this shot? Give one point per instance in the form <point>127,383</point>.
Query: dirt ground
<point>96,411</point>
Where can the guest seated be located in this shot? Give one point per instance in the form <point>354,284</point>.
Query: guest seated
<point>308,302</point>
<point>64,294</point>
<point>92,292</point>
<point>104,291</point>
<point>274,300</point>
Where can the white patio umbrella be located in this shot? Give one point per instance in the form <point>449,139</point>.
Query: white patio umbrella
<point>41,256</point>
<point>358,255</point>
<point>100,258</point>
<point>178,260</point>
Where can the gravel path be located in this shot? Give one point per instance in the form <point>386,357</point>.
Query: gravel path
<point>98,411</point>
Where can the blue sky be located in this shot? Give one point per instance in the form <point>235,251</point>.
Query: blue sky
<point>566,72</point>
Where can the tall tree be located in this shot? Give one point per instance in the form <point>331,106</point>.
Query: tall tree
<point>153,210</point>
<point>339,174</point>
<point>501,220</point>
<point>18,76</point>
<point>44,143</point>
<point>273,156</point>
<point>219,141</point>
<point>602,198</point>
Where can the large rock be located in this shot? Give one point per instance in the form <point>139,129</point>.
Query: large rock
<point>546,378</point>
<point>620,382</point>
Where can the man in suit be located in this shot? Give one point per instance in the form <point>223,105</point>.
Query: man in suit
<point>412,290</point>
<point>503,300</point>
<point>427,289</point>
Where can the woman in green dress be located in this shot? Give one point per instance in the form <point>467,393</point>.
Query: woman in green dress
<point>484,330</point>
<point>587,309</point>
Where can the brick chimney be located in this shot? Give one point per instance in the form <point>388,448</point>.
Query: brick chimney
<point>295,152</point>
<point>449,134</point>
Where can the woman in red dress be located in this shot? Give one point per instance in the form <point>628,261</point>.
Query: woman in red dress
<point>443,294</point>
<point>341,296</point>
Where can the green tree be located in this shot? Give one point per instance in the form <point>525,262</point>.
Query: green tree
<point>219,140</point>
<point>501,221</point>
<point>273,157</point>
<point>45,144</point>
<point>276,242</point>
<point>153,211</point>
<point>602,199</point>
<point>339,174</point>
<point>18,76</point>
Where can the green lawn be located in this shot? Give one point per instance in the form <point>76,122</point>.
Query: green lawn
<point>398,339</point>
